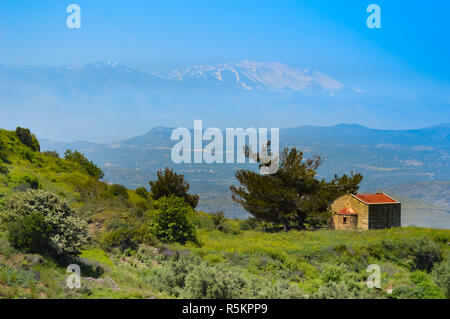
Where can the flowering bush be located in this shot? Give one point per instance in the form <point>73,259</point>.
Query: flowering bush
<point>38,221</point>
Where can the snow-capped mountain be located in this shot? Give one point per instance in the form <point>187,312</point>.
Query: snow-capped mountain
<point>251,75</point>
<point>245,75</point>
<point>113,67</point>
<point>109,100</point>
<point>99,67</point>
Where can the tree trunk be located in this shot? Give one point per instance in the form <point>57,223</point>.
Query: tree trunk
<point>301,216</point>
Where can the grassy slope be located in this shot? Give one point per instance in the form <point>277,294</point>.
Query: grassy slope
<point>296,256</point>
<point>64,178</point>
<point>303,243</point>
<point>272,254</point>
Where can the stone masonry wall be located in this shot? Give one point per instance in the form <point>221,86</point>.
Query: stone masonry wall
<point>350,201</point>
<point>351,222</point>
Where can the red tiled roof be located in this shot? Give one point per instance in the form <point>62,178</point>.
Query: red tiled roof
<point>378,198</point>
<point>348,211</point>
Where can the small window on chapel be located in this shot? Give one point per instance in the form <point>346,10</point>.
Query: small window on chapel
<point>345,220</point>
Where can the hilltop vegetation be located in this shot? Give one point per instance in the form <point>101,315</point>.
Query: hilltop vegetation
<point>140,246</point>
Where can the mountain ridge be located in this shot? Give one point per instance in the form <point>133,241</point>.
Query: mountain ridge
<point>111,100</point>
<point>168,129</point>
<point>271,76</point>
<point>249,75</point>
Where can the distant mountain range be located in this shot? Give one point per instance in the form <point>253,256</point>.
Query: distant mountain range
<point>248,75</point>
<point>251,75</point>
<point>386,158</point>
<point>107,101</point>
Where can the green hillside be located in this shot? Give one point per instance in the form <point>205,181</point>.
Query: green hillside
<point>129,254</point>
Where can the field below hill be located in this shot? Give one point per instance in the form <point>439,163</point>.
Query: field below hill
<point>245,263</point>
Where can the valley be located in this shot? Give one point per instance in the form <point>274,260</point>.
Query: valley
<point>410,164</point>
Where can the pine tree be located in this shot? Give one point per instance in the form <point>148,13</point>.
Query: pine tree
<point>293,193</point>
<point>170,183</point>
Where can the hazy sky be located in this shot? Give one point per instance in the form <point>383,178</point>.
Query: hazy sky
<point>408,56</point>
<point>159,35</point>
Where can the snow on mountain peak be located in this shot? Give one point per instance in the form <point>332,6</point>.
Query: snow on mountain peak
<point>108,66</point>
<point>271,76</point>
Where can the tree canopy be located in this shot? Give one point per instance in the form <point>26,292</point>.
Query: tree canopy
<point>89,166</point>
<point>293,193</point>
<point>171,222</point>
<point>28,139</point>
<point>170,183</point>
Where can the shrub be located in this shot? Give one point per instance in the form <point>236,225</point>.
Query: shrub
<point>281,289</point>
<point>117,190</point>
<point>62,231</point>
<point>219,222</point>
<point>249,224</point>
<point>30,233</point>
<point>424,288</point>
<point>127,237</point>
<point>201,220</point>
<point>419,254</point>
<point>28,139</point>
<point>4,170</point>
<point>92,169</point>
<point>189,277</point>
<point>344,290</point>
<point>441,276</point>
<point>171,278</point>
<point>403,292</point>
<point>206,282</point>
<point>171,223</point>
<point>90,268</point>
<point>142,192</point>
<point>51,153</point>
<point>426,254</point>
<point>16,277</point>
<point>27,182</point>
<point>5,151</point>
<point>141,207</point>
<point>91,189</point>
<point>122,238</point>
<point>332,273</point>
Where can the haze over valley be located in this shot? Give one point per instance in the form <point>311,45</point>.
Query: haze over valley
<point>410,164</point>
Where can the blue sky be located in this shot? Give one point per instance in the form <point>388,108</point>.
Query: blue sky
<point>159,35</point>
<point>408,56</point>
